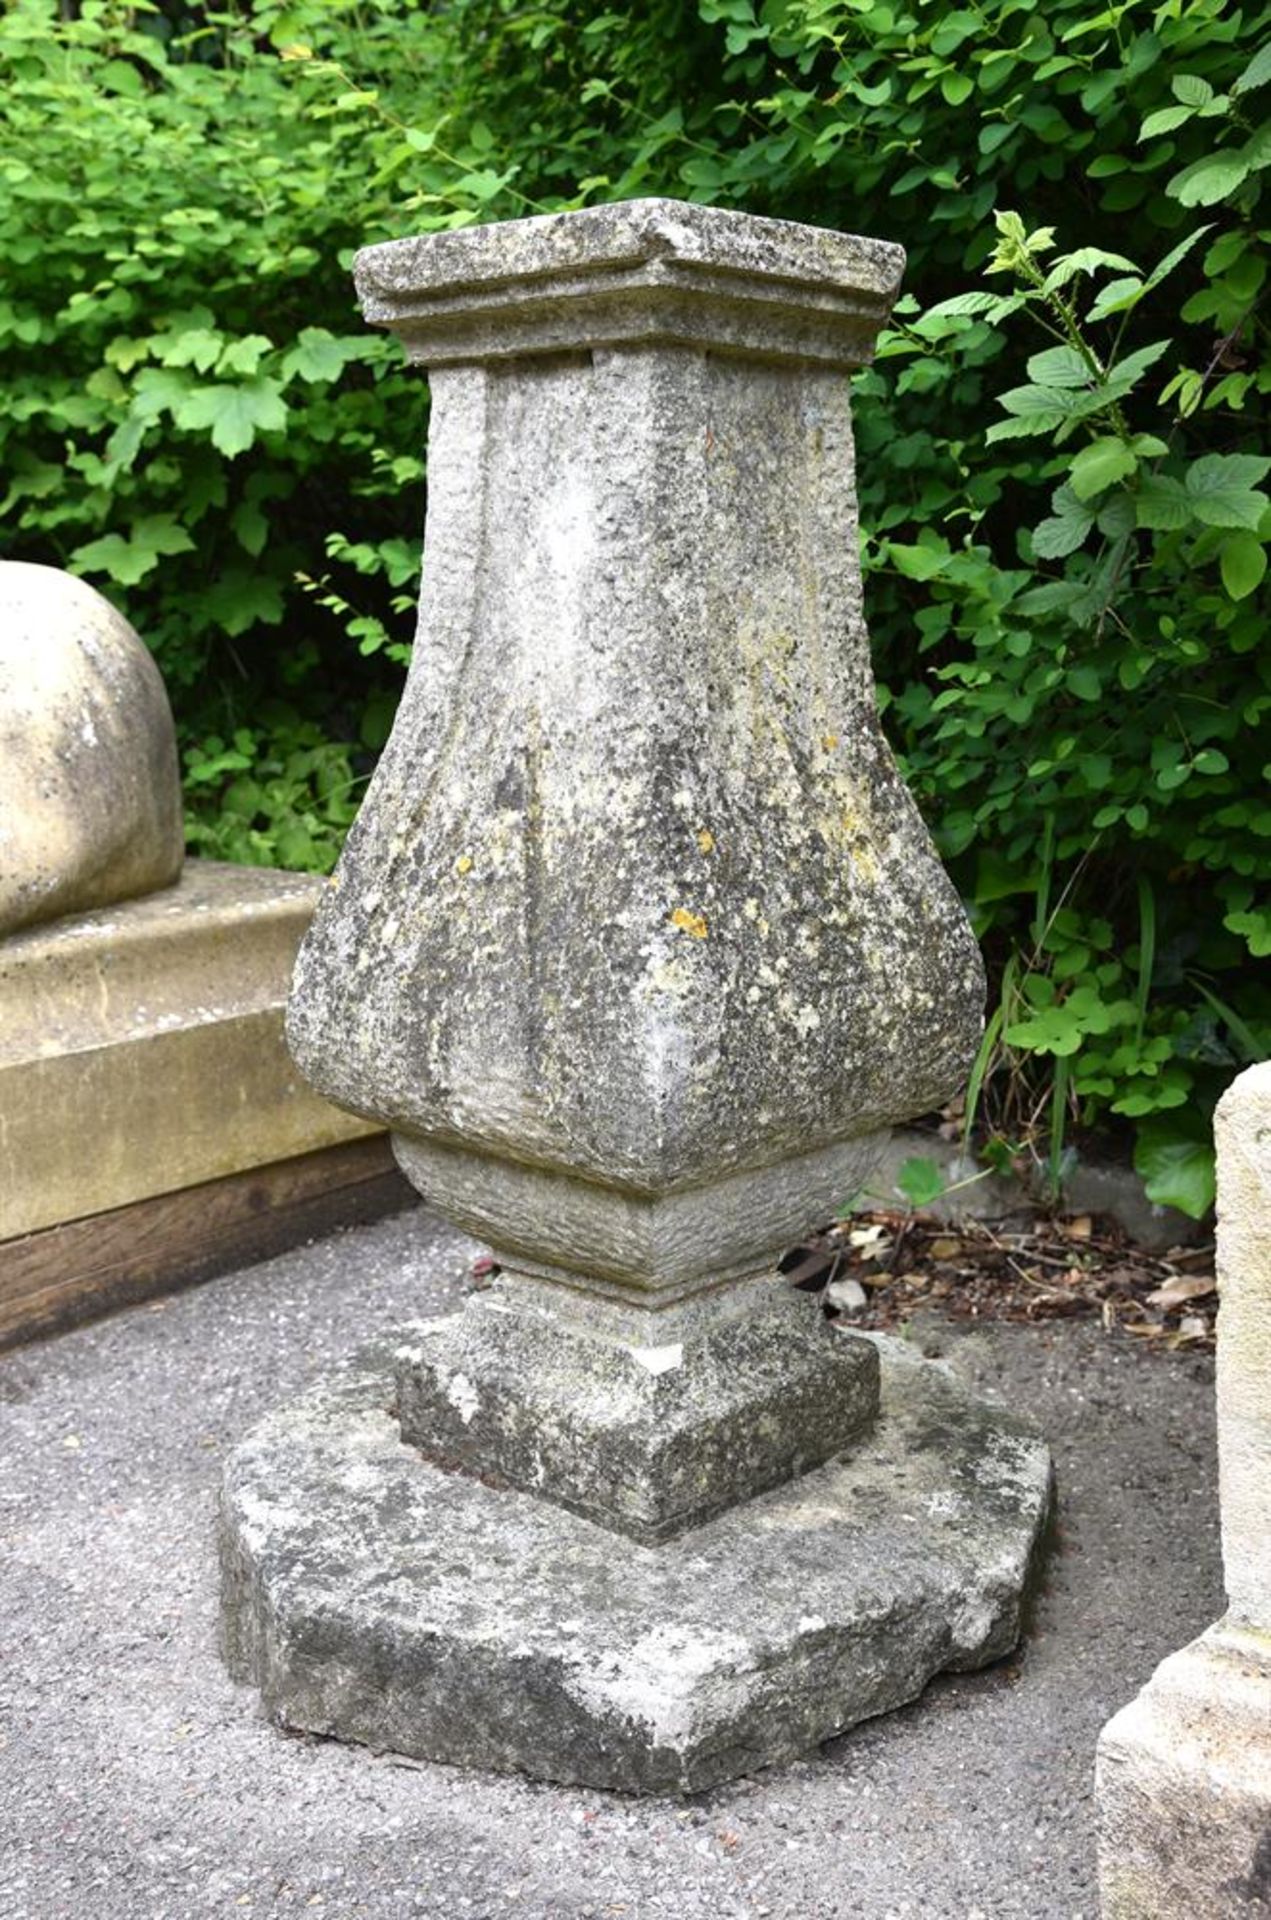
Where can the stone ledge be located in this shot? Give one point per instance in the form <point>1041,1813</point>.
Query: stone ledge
<point>651,272</point>
<point>141,1047</point>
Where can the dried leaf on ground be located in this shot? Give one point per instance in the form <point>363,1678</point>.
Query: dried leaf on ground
<point>1046,1269</point>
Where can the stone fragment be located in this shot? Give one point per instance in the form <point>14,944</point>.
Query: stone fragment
<point>90,798</point>
<point>1184,1771</point>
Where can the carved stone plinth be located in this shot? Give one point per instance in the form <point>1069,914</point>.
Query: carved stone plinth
<point>638,945</point>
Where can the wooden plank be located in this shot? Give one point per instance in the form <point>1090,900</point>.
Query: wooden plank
<point>64,1275</point>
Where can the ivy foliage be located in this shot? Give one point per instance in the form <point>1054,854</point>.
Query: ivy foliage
<point>1060,444</point>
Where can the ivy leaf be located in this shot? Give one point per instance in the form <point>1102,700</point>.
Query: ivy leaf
<point>1101,464</point>
<point>130,559</point>
<point>1176,1166</point>
<point>235,414</point>
<point>244,356</point>
<point>920,1181</point>
<point>1242,563</point>
<point>240,597</point>
<point>318,355</point>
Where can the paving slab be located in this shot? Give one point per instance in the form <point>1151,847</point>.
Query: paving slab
<point>138,1782</point>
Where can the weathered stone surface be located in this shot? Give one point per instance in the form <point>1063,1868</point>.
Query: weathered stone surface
<point>637,895</point>
<point>638,945</point>
<point>1184,1788</point>
<point>1184,1775</point>
<point>647,1422</point>
<point>374,1597</point>
<point>1242,1135</point>
<point>90,799</point>
<point>141,1047</point>
<point>641,272</point>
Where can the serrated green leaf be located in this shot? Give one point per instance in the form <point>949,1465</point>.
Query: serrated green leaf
<point>196,347</point>
<point>1059,367</point>
<point>1257,73</point>
<point>1205,182</point>
<point>1164,120</point>
<point>1117,297</point>
<point>1162,503</point>
<point>915,563</point>
<point>1055,538</point>
<point>1100,465</point>
<point>1191,89</point>
<point>1084,260</point>
<point>1223,489</point>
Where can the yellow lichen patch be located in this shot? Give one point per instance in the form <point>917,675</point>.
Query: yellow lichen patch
<point>464,863</point>
<point>829,741</point>
<point>706,840</point>
<point>687,922</point>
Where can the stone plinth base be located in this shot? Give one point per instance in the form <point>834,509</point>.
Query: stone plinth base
<point>141,1047</point>
<point>379,1598</point>
<point>647,1422</point>
<point>1184,1787</point>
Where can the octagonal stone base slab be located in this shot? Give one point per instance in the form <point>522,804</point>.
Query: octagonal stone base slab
<point>376,1598</point>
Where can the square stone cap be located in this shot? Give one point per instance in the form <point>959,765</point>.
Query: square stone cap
<point>638,272</point>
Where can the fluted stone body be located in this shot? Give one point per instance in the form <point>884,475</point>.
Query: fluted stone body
<point>637,896</point>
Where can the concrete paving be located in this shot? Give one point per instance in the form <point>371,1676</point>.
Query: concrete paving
<point>138,1783</point>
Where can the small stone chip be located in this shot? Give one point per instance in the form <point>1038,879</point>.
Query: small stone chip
<point>694,923</point>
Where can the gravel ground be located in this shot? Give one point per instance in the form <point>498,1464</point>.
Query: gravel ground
<point>137,1783</point>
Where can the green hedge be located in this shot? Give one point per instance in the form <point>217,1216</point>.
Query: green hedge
<point>1060,445</point>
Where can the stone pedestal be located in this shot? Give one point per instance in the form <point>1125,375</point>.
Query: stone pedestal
<point>639,946</point>
<point>1184,1771</point>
